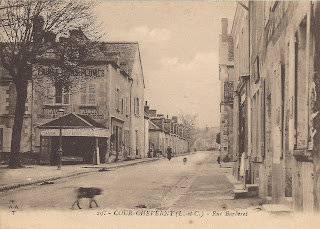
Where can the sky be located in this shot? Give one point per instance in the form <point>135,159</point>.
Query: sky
<point>179,46</point>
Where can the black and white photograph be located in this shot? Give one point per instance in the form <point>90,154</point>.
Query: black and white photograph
<point>159,114</point>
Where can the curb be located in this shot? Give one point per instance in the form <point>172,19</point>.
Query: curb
<point>14,186</point>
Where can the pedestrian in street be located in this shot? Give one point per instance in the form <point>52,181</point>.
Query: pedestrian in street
<point>169,153</point>
<point>218,160</point>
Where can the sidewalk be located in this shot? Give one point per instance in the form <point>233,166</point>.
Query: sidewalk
<point>34,174</point>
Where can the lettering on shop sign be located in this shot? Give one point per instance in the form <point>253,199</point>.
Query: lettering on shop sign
<point>92,112</point>
<point>50,113</point>
<point>75,132</point>
<point>87,72</point>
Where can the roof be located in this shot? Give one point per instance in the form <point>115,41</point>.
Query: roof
<point>72,120</point>
<point>153,126</point>
<point>127,50</point>
<point>146,115</point>
<point>166,129</point>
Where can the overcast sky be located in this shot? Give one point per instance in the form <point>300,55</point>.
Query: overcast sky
<point>179,45</point>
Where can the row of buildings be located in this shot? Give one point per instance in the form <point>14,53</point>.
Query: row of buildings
<point>164,132</point>
<point>100,118</point>
<point>269,72</point>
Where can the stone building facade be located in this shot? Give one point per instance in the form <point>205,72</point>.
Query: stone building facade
<point>226,76</point>
<point>282,156</point>
<point>106,106</point>
<point>164,132</point>
<point>241,105</point>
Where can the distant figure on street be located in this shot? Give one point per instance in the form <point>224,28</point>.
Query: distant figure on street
<point>169,153</point>
<point>218,160</point>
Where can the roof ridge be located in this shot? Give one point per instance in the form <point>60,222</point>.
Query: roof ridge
<point>82,119</point>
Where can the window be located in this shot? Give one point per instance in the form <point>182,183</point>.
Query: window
<point>228,91</point>
<point>88,93</point>
<point>92,94</point>
<point>127,105</point>
<point>122,105</point>
<point>83,91</point>
<point>49,93</point>
<point>57,94</point>
<point>136,107</point>
<point>126,139</point>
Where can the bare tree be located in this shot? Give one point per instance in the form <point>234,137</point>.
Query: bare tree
<point>190,124</point>
<point>25,26</point>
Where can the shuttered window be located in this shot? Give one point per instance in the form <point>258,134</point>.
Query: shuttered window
<point>92,94</point>
<point>49,93</point>
<point>127,105</point>
<point>62,95</point>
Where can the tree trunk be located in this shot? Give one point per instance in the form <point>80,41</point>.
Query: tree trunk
<point>21,88</point>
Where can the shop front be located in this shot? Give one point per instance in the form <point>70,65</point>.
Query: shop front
<point>83,140</point>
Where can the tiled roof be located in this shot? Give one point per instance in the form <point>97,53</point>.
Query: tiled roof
<point>74,121</point>
<point>153,126</point>
<point>94,54</point>
<point>91,121</point>
<point>127,50</point>
<point>166,129</point>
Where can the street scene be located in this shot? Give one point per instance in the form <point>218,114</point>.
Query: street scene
<point>162,184</point>
<point>181,109</point>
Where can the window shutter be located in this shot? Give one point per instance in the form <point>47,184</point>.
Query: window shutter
<point>58,93</point>
<point>92,94</point>
<point>119,100</point>
<point>138,108</point>
<point>50,93</point>
<point>83,90</point>
<point>66,96</point>
<point>127,105</point>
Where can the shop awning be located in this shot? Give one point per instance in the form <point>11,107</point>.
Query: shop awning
<point>74,125</point>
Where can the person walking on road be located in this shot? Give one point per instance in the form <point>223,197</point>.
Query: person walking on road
<point>169,153</point>
<point>219,161</point>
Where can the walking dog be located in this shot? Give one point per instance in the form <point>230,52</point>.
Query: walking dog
<point>87,193</point>
<point>184,160</point>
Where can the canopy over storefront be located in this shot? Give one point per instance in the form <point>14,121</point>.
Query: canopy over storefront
<point>74,125</point>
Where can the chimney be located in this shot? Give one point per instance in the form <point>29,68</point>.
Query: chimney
<point>38,23</point>
<point>77,35</point>
<point>175,119</point>
<point>153,113</point>
<point>146,108</point>
<point>224,23</point>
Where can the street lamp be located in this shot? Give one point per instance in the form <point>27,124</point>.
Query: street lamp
<point>61,112</point>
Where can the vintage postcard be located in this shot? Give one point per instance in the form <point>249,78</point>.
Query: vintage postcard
<point>159,114</point>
